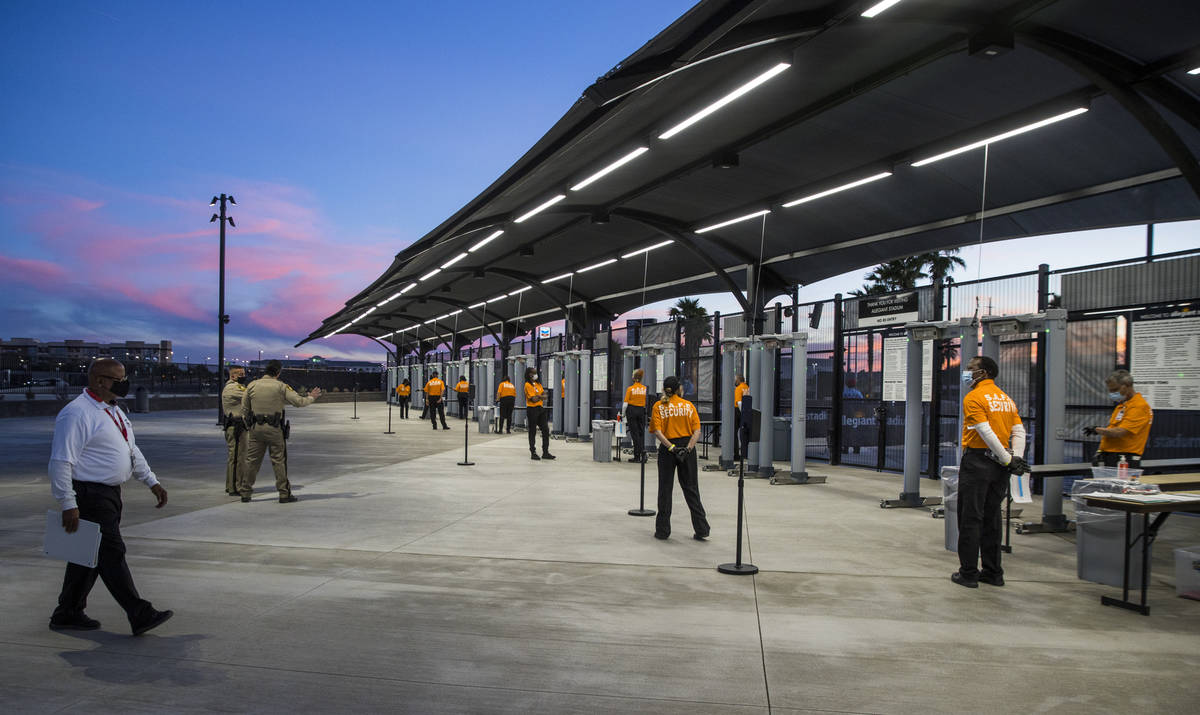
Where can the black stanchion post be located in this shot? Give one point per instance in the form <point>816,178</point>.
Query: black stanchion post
<point>389,429</point>
<point>355,403</point>
<point>642,510</point>
<point>466,460</point>
<point>750,419</point>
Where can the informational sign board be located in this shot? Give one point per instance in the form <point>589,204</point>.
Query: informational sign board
<point>1165,358</point>
<point>544,331</point>
<point>894,309</point>
<point>600,371</point>
<point>895,368</point>
<point>658,373</point>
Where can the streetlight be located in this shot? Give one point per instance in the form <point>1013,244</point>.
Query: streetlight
<point>222,319</point>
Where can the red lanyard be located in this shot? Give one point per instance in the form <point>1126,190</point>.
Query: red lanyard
<point>119,423</point>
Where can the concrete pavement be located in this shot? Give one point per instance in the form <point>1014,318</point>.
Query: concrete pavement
<point>403,582</point>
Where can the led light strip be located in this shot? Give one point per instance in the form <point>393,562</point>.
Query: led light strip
<point>521,290</point>
<point>430,274</point>
<point>1194,71</point>
<point>611,167</point>
<point>596,265</point>
<point>732,221</point>
<point>1001,137</point>
<point>406,289</point>
<point>724,100</point>
<point>486,241</point>
<point>878,8</point>
<point>452,261</point>
<point>568,274</point>
<point>843,187</point>
<point>647,249</point>
<point>540,208</point>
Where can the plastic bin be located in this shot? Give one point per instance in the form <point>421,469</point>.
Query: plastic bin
<point>1100,543</point>
<point>950,504</point>
<point>602,439</point>
<point>1187,572</point>
<point>1114,473</point>
<point>485,415</point>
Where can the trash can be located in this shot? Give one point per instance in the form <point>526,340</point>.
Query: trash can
<point>781,439</point>
<point>1100,534</point>
<point>141,399</point>
<point>1187,572</point>
<point>602,438</point>
<point>950,503</point>
<point>485,413</point>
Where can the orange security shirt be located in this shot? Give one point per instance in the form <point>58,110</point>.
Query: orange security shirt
<point>506,389</point>
<point>988,403</point>
<point>534,394</point>
<point>675,418</point>
<point>462,386</point>
<point>738,392</point>
<point>435,387</point>
<point>1134,415</point>
<point>403,390</point>
<point>635,395</point>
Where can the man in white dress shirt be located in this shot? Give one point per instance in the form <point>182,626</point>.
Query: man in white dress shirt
<point>93,454</point>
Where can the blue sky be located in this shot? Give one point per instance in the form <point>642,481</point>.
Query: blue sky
<point>344,132</point>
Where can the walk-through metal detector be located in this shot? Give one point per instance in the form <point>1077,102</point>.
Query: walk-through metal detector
<point>484,382</point>
<point>918,333</point>
<point>653,356</point>
<point>629,355</point>
<point>454,368</point>
<point>733,353</point>
<point>1052,325</point>
<point>416,376</point>
<point>516,371</point>
<point>798,429</point>
<point>570,393</point>
<point>553,381</point>
<point>581,393</point>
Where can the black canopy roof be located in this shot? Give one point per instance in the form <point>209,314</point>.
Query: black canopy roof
<point>841,98</point>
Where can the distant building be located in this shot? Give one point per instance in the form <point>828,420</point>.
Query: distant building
<point>34,352</point>
<point>316,362</point>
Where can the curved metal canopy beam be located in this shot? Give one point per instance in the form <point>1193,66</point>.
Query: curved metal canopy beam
<point>535,283</point>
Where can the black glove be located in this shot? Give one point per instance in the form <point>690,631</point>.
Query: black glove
<point>681,454</point>
<point>1097,459</point>
<point>1090,431</point>
<point>1018,466</point>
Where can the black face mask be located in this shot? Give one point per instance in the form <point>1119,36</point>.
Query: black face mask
<point>120,389</point>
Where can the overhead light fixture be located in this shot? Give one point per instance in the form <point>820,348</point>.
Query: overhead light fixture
<point>878,8</point>
<point>430,274</point>
<point>732,221</point>
<point>213,203</point>
<point>431,320</point>
<point>843,187</point>
<point>454,260</point>
<point>454,313</point>
<point>540,208</point>
<point>521,290</point>
<point>724,100</point>
<point>486,241</point>
<point>502,296</point>
<point>479,273</point>
<point>1001,137</point>
<point>600,218</point>
<point>477,305</point>
<point>596,265</point>
<point>728,160</point>
<point>647,249</point>
<point>1195,70</point>
<point>568,274</point>
<point>407,288</point>
<point>611,167</point>
<point>369,311</point>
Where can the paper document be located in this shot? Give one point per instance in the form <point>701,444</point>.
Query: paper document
<point>80,547</point>
<point>1149,498</point>
<point>1018,488</point>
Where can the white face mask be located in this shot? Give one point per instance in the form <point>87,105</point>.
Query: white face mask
<point>969,377</point>
<point>533,377</point>
<point>1116,396</point>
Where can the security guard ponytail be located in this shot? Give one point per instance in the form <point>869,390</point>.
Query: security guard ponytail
<point>670,388</point>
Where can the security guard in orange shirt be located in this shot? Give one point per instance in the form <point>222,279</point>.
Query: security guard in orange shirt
<point>535,414</point>
<point>435,400</point>
<point>675,423</point>
<point>404,397</point>
<point>739,439</point>
<point>463,388</point>
<point>635,415</point>
<point>993,447</point>
<point>506,396</point>
<point>1128,427</point>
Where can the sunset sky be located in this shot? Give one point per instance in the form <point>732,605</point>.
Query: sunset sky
<point>344,133</point>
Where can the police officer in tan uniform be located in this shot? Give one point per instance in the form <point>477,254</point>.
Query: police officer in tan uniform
<point>263,411</point>
<point>235,429</point>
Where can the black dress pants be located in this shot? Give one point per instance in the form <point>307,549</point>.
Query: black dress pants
<point>506,413</point>
<point>637,429</point>
<point>739,437</point>
<point>101,503</point>
<point>437,409</point>
<point>689,484</point>
<point>404,401</point>
<point>982,486</point>
<point>536,419</point>
<point>463,404</point>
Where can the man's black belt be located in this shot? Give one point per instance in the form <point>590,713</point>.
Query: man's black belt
<point>275,420</point>
<point>976,449</point>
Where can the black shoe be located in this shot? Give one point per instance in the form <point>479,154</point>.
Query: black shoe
<point>78,622</point>
<point>664,537</point>
<point>245,500</point>
<point>232,494</point>
<point>700,537</point>
<point>156,619</point>
<point>547,455</point>
<point>533,456</point>
<point>445,426</point>
<point>958,578</point>
<point>634,459</point>
<point>508,432</point>
<point>289,499</point>
<point>435,428</point>
<point>991,580</point>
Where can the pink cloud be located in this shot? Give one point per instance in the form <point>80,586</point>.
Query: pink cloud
<point>31,271</point>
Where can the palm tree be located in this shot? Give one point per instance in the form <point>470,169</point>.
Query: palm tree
<point>903,273</point>
<point>697,327</point>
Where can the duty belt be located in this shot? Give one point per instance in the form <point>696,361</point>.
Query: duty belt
<point>275,420</point>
